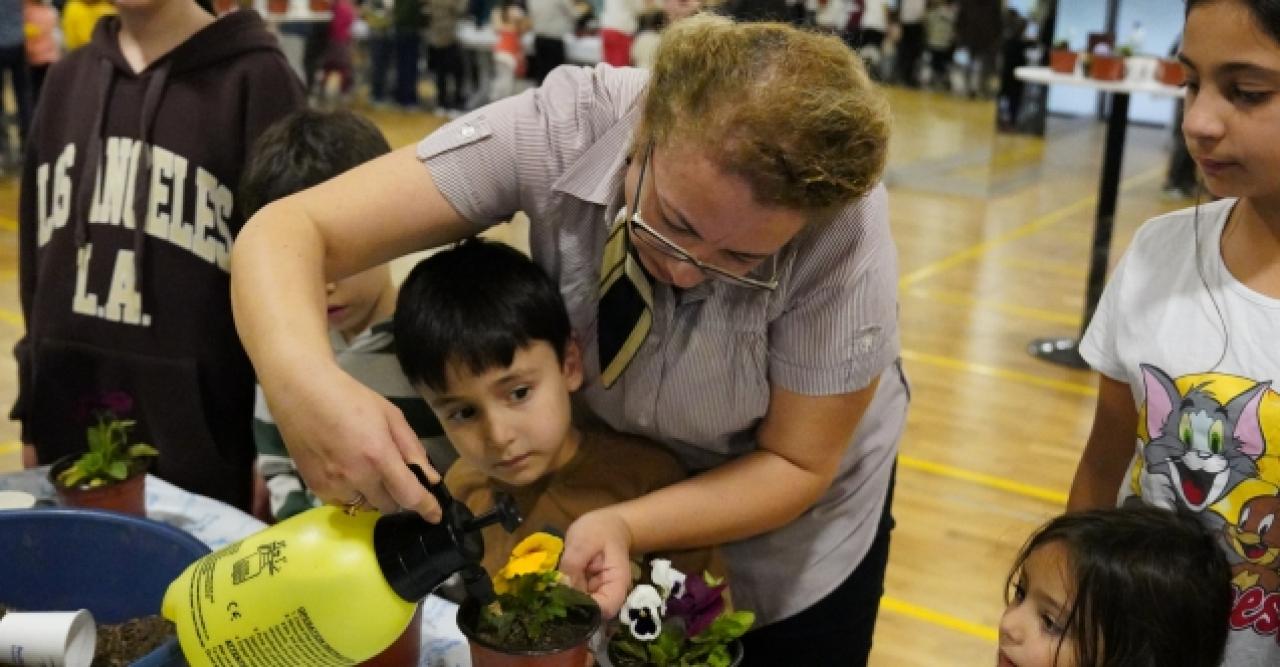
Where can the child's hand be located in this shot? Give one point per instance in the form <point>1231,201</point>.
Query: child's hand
<point>597,558</point>
<point>351,445</point>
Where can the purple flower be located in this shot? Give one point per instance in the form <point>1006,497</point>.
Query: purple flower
<point>700,605</point>
<point>117,402</point>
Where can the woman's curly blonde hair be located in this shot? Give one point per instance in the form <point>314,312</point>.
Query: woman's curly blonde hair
<point>792,112</point>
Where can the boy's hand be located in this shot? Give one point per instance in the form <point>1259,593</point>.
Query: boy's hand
<point>351,445</point>
<point>597,558</point>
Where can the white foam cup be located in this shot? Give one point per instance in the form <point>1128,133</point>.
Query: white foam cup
<point>47,638</point>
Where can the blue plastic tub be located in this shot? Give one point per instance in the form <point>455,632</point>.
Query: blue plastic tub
<point>114,565</point>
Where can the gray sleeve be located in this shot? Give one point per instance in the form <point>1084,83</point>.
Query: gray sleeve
<point>506,157</point>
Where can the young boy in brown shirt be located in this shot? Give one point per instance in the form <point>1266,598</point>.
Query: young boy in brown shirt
<point>483,334</point>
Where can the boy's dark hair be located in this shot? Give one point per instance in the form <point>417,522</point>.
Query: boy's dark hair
<point>1152,587</point>
<point>303,149</point>
<point>475,304</point>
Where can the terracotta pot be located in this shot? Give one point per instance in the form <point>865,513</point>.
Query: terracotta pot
<point>1170,72</point>
<point>319,5</point>
<point>1063,61</point>
<point>406,650</point>
<point>484,654</point>
<point>278,6</point>
<point>128,496</point>
<point>221,7</point>
<point>1106,68</point>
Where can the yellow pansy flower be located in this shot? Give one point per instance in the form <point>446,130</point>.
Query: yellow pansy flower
<point>537,553</point>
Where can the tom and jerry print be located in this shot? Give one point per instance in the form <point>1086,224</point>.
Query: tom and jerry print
<point>1210,443</point>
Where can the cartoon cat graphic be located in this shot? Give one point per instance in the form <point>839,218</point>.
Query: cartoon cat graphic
<point>1198,448</point>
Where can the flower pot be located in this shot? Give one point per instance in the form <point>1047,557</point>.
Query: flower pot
<point>1106,68</point>
<point>1170,72</point>
<point>318,5</point>
<point>1063,61</point>
<point>406,650</point>
<point>277,6</point>
<point>128,496</point>
<point>610,659</point>
<point>484,654</point>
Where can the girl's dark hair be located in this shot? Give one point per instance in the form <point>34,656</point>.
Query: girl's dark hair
<point>1265,12</point>
<point>1152,587</point>
<point>475,304</point>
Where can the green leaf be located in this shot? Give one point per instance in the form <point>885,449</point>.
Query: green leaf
<point>71,476</point>
<point>118,470</point>
<point>140,450</point>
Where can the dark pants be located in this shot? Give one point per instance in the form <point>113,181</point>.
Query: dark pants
<point>910,48</point>
<point>940,65</point>
<point>381,48</point>
<point>446,63</point>
<point>548,54</point>
<point>408,49</point>
<point>13,59</point>
<point>837,629</point>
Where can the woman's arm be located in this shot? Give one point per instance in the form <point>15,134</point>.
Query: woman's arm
<point>802,441</point>
<point>1109,449</point>
<point>344,437</point>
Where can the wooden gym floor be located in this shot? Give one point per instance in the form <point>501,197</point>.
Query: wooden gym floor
<point>993,234</point>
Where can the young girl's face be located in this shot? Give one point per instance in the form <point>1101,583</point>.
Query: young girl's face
<point>1031,630</point>
<point>1232,106</point>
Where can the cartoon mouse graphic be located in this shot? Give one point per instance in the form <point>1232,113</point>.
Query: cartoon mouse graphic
<point>1255,540</point>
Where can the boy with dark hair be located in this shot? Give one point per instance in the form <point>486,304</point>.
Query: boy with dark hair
<point>302,150</point>
<point>485,337</point>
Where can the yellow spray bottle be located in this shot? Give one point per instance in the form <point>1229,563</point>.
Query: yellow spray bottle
<point>325,588</point>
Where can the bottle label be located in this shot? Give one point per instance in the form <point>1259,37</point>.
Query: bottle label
<point>291,642</point>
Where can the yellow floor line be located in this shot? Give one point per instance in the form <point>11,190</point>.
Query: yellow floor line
<point>1062,269</point>
<point>964,299</point>
<point>1033,227</point>
<point>990,481</point>
<point>1001,373</point>
<point>932,617</point>
<point>10,317</point>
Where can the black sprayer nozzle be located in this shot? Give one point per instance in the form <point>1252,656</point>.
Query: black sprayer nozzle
<point>478,584</point>
<point>504,511</point>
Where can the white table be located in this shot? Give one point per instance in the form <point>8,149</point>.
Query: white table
<point>1062,350</point>
<point>218,524</point>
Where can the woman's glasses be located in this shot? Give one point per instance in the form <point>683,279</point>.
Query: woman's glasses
<point>638,228</point>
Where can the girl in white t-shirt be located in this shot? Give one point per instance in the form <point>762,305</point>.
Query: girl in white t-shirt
<point>1185,335</point>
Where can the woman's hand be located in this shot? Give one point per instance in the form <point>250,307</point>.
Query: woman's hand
<point>351,445</point>
<point>597,558</point>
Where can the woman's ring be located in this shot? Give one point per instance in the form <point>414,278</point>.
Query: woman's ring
<point>354,504</point>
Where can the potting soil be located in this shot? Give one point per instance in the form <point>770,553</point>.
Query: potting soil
<point>121,644</point>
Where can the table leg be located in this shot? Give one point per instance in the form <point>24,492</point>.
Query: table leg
<point>1064,351</point>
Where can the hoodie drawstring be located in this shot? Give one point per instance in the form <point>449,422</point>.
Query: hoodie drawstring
<point>91,167</point>
<point>142,186</point>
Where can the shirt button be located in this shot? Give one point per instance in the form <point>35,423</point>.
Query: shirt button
<point>468,131</point>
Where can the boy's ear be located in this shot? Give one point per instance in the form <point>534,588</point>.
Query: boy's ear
<point>573,363</point>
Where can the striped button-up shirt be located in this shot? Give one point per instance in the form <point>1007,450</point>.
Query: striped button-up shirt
<point>700,382</point>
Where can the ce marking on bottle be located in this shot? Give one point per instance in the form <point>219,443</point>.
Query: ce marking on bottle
<point>234,609</point>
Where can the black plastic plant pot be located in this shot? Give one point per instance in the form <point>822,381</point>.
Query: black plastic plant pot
<point>574,652</point>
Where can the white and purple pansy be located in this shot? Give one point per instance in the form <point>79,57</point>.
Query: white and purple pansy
<point>642,613</point>
<point>668,579</point>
